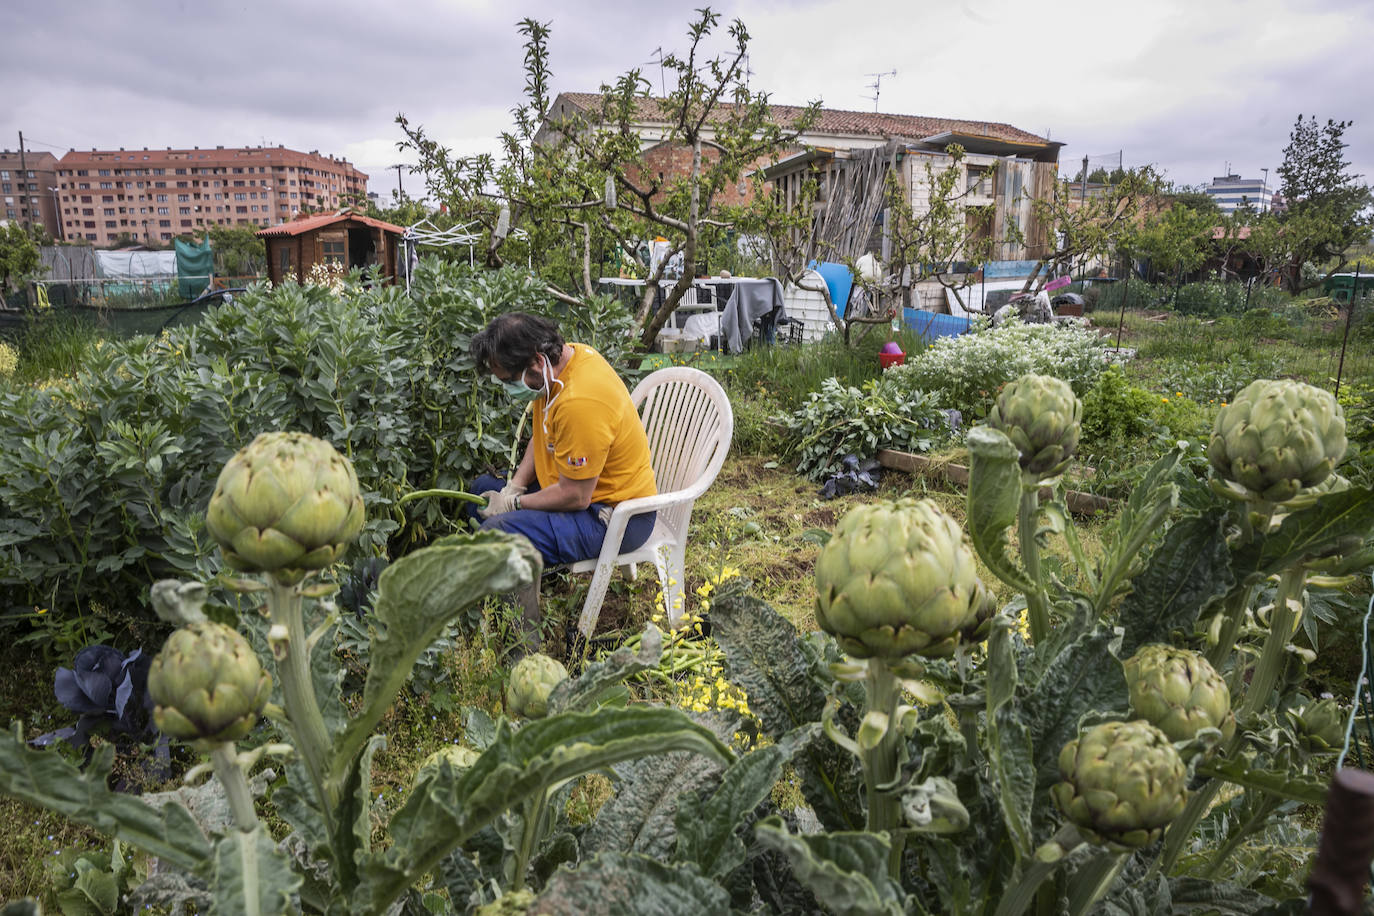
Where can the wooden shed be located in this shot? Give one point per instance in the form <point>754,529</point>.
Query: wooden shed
<point>345,238</point>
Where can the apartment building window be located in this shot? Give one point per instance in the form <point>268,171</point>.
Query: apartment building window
<point>161,198</point>
<point>240,196</point>
<point>185,211</point>
<point>111,224</point>
<point>104,173</point>
<point>109,211</point>
<point>9,213</point>
<point>186,222</point>
<point>254,208</point>
<point>164,222</point>
<point>159,171</point>
<point>183,198</point>
<point>5,189</point>
<point>159,184</point>
<point>4,175</point>
<point>85,186</point>
<point>81,173</point>
<point>253,195</point>
<point>162,211</point>
<point>91,237</point>
<point>241,209</point>
<point>181,171</point>
<point>87,211</point>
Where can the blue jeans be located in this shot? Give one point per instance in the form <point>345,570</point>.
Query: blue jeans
<point>560,537</point>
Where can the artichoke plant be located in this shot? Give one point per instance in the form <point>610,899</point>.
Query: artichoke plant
<point>1041,415</point>
<point>207,684</point>
<point>285,504</point>
<point>1179,692</point>
<point>897,579</point>
<point>458,757</point>
<point>531,682</point>
<point>1122,783</point>
<point>1277,438</point>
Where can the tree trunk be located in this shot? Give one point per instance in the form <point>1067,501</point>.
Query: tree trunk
<point>689,256</point>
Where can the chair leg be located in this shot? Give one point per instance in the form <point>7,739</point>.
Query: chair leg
<point>670,560</point>
<point>596,594</point>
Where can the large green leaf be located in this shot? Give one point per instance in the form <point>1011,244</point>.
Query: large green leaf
<point>1335,519</point>
<point>846,871</point>
<point>706,825</point>
<point>641,816</point>
<point>251,877</point>
<point>1141,517</point>
<point>1216,898</point>
<point>43,778</point>
<point>615,884</point>
<point>1009,744</point>
<point>416,597</point>
<point>445,809</point>
<point>1086,678</point>
<point>994,501</point>
<point>578,692</point>
<point>1190,569</point>
<point>764,656</point>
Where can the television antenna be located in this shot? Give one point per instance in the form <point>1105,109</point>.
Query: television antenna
<point>877,85</point>
<point>662,91</point>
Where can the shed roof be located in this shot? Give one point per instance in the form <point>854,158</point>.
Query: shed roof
<point>838,121</point>
<point>320,220</point>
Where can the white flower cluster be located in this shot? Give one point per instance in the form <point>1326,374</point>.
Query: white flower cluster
<point>965,372</point>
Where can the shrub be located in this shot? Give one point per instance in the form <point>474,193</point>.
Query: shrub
<point>965,372</point>
<point>104,476</point>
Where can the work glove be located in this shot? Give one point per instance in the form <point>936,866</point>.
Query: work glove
<point>498,503</point>
<point>512,489</point>
<point>603,515</point>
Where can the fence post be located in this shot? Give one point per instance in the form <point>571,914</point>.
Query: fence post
<point>1341,869</point>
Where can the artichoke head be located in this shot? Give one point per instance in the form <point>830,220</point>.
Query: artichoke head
<point>207,684</point>
<point>286,504</point>
<point>1320,726</point>
<point>1121,783</point>
<point>1277,438</point>
<point>1179,692</point>
<point>458,757</point>
<point>1041,415</point>
<point>531,683</point>
<point>897,579</point>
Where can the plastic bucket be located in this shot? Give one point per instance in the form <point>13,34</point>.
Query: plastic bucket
<point>891,359</point>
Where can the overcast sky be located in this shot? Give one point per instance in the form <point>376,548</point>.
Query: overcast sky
<point>1188,85</point>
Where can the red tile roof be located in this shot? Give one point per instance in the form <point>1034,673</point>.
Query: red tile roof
<point>836,121</point>
<point>319,220</point>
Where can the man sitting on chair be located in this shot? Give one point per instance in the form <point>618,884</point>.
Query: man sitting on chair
<point>587,451</point>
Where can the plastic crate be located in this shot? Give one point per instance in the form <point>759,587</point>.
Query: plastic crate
<point>932,324</point>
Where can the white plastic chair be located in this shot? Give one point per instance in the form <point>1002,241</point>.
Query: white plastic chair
<point>689,423</point>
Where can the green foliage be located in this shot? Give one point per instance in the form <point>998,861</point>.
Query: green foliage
<point>965,372</point>
<point>103,476</point>
<point>839,421</point>
<point>19,259</point>
<point>238,251</point>
<point>1117,414</point>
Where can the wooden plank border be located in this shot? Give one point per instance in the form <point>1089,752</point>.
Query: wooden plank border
<point>957,474</point>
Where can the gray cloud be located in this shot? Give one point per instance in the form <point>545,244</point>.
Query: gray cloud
<point>1185,85</point>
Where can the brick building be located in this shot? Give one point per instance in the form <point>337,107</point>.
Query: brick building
<point>26,189</point>
<point>152,196</point>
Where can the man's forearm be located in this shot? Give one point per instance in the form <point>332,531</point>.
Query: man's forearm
<point>564,496</point>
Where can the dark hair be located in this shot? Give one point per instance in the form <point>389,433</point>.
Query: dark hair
<point>510,341</point>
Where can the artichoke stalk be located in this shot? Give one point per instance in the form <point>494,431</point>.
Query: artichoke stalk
<point>287,504</point>
<point>1042,417</point>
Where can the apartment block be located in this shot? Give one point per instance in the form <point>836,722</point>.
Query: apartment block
<point>152,196</point>
<point>28,189</point>
<point>1231,192</point>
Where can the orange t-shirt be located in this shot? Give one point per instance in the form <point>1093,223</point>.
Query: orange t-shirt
<point>592,430</point>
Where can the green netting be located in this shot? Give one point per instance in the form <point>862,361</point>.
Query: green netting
<point>195,261</point>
